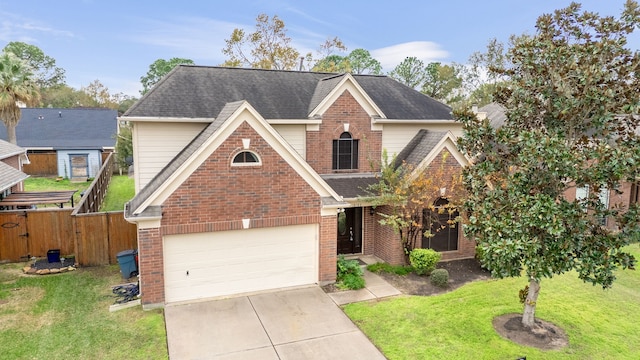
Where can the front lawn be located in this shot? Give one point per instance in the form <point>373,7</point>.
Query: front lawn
<point>457,325</point>
<point>66,316</point>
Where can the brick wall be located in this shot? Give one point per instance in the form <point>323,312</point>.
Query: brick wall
<point>368,230</point>
<point>345,110</point>
<point>217,196</point>
<point>151,266</point>
<point>620,200</point>
<point>387,245</point>
<point>328,249</point>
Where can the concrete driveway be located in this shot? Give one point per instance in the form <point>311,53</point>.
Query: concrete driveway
<point>290,324</point>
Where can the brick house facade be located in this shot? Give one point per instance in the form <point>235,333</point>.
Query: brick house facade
<point>265,189</point>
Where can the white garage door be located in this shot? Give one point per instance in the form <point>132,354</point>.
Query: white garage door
<point>222,263</point>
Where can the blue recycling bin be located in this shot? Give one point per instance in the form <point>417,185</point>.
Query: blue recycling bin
<point>128,264</point>
<point>53,255</point>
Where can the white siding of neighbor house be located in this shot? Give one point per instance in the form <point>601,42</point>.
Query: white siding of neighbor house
<point>94,159</point>
<point>155,144</point>
<point>396,137</point>
<point>295,135</point>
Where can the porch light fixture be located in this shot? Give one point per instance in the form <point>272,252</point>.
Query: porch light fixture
<point>372,210</point>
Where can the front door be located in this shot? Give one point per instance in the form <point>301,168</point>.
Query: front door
<point>350,231</point>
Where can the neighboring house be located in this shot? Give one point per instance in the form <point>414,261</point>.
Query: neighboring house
<point>627,194</point>
<point>249,180</point>
<point>66,142</point>
<point>12,157</point>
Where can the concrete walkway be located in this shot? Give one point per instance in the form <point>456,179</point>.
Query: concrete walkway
<point>290,324</point>
<point>375,286</point>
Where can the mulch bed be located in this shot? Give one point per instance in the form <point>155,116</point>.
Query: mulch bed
<point>460,273</point>
<point>44,267</point>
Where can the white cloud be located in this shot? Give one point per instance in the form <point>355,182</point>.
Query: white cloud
<point>426,51</point>
<point>188,37</point>
<point>17,28</point>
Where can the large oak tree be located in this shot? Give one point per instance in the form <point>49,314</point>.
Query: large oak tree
<point>571,104</point>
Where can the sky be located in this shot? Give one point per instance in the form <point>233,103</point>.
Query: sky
<point>115,41</point>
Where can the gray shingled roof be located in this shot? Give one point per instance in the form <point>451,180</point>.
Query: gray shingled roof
<point>495,113</point>
<point>350,185</point>
<point>201,92</point>
<point>179,159</point>
<point>8,149</point>
<point>62,129</point>
<point>420,146</point>
<point>10,176</point>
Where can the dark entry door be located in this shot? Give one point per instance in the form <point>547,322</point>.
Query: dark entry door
<point>350,231</point>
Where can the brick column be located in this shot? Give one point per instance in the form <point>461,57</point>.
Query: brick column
<point>151,267</point>
<point>328,249</point>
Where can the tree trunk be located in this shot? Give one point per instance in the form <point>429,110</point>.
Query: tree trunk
<point>11,134</point>
<point>528,316</point>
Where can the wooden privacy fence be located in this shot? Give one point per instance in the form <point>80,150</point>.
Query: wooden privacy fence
<point>42,164</point>
<point>94,195</point>
<point>94,239</point>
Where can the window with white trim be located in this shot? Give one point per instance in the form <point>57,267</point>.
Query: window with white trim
<point>246,158</point>
<point>345,152</point>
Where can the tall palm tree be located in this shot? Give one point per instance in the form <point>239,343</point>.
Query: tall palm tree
<point>17,85</point>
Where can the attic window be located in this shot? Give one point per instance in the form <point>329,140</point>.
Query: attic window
<point>246,158</point>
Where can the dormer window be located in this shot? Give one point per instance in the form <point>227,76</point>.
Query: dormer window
<point>345,152</point>
<point>246,158</point>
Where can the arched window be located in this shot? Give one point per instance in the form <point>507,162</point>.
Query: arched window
<point>345,152</point>
<point>246,158</point>
<point>441,226</point>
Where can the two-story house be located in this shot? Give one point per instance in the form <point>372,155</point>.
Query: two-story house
<point>249,180</point>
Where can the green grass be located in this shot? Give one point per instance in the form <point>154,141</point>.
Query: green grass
<point>66,316</point>
<point>457,325</point>
<point>51,184</point>
<point>121,189</point>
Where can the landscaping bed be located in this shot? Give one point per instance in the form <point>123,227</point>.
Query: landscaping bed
<point>460,273</point>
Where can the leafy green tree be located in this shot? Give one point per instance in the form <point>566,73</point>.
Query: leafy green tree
<point>361,62</point>
<point>442,82</point>
<point>479,80</point>
<point>17,85</point>
<point>124,146</point>
<point>268,47</point>
<point>61,96</point>
<point>158,70</point>
<point>332,63</point>
<point>46,73</point>
<point>411,72</point>
<point>570,105</point>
